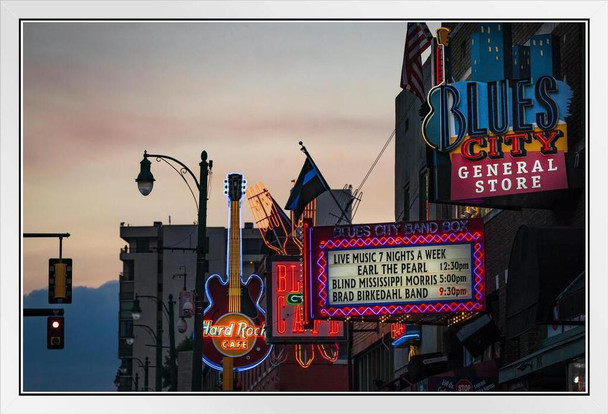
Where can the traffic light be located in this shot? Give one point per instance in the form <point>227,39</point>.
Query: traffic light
<point>60,280</point>
<point>55,332</point>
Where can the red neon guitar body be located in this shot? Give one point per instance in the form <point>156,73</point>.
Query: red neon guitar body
<point>235,323</point>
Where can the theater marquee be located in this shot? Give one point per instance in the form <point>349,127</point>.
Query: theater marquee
<point>393,269</point>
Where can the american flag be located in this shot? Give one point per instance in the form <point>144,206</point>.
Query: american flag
<point>417,40</point>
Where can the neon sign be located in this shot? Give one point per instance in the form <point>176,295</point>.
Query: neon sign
<point>234,323</point>
<point>234,334</point>
<point>505,129</point>
<point>285,314</point>
<point>402,333</point>
<point>383,271</point>
<point>273,224</point>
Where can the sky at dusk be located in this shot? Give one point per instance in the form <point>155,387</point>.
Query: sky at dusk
<point>97,94</point>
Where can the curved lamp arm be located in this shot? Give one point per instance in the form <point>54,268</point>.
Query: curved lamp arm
<point>184,167</point>
<point>150,330</point>
<point>157,300</point>
<point>139,361</point>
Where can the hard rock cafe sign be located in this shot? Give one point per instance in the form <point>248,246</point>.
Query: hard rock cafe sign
<point>234,334</point>
<point>234,323</point>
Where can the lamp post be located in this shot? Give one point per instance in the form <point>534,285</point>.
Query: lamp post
<point>145,182</point>
<point>159,349</point>
<point>123,370</point>
<point>136,314</point>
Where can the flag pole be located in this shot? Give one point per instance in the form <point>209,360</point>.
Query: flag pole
<point>344,213</point>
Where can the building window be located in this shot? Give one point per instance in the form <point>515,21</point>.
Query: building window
<point>126,328</point>
<point>142,245</point>
<point>125,309</point>
<point>423,195</point>
<point>124,349</point>
<point>128,270</point>
<point>127,290</point>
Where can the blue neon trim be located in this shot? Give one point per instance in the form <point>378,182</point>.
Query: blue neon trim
<point>404,338</point>
<point>222,282</point>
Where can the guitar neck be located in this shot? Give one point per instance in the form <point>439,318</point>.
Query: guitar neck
<point>440,75</point>
<point>234,262</point>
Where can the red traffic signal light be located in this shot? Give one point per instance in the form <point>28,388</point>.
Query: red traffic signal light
<point>55,332</point>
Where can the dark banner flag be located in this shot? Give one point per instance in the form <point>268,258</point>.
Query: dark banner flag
<point>310,185</point>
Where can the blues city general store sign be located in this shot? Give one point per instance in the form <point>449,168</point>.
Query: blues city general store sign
<point>505,130</point>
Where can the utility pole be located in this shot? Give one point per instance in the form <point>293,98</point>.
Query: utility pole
<point>145,182</point>
<point>201,264</point>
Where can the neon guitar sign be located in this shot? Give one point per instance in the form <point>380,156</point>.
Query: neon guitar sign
<point>443,99</point>
<point>234,324</point>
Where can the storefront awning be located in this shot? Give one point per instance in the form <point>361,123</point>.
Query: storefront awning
<point>478,335</point>
<point>556,349</point>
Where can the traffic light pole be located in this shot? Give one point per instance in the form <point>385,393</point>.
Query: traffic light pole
<point>42,312</point>
<point>60,273</point>
<point>58,235</point>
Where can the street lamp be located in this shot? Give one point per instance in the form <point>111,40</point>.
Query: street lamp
<point>123,370</point>
<point>117,381</point>
<point>136,310</point>
<point>158,344</point>
<point>145,179</point>
<point>145,183</point>
<point>136,314</point>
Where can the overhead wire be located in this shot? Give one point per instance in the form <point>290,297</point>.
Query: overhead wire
<point>371,169</point>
